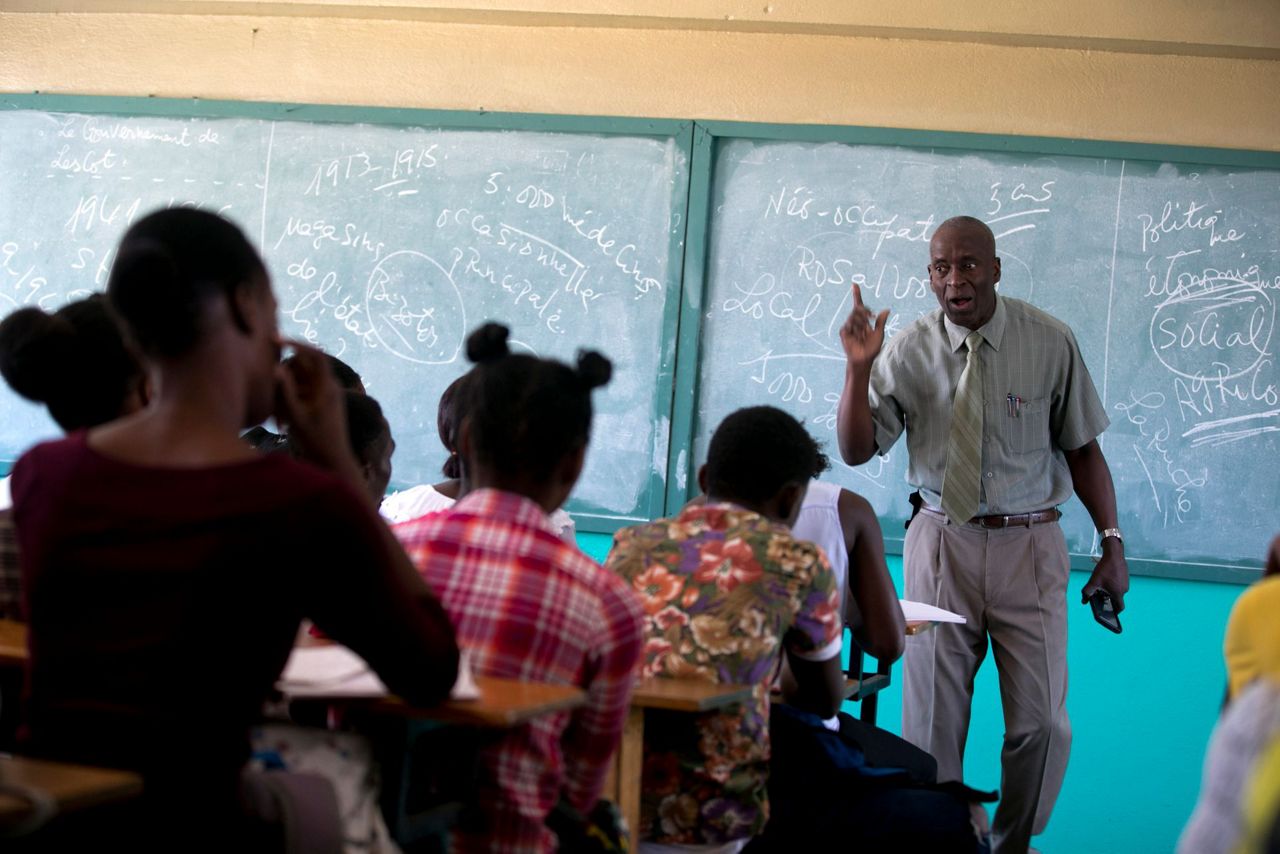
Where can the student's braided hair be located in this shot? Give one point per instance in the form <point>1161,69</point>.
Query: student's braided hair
<point>527,413</point>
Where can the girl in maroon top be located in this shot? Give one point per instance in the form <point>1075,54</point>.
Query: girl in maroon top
<point>167,565</point>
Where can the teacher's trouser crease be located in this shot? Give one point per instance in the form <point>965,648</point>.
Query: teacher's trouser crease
<point>1011,585</point>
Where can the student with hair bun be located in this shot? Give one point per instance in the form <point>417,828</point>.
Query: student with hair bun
<point>527,605</point>
<point>428,498</point>
<point>75,362</point>
<point>168,565</point>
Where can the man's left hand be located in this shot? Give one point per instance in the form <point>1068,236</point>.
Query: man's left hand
<point>1111,574</point>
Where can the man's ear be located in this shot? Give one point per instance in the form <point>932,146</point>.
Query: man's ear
<point>241,303</point>
<point>996,269</point>
<point>786,501</point>
<point>702,478</point>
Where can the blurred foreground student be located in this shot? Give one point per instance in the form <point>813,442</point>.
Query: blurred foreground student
<point>75,362</point>
<point>526,604</point>
<point>168,565</point>
<point>428,498</point>
<point>1252,643</point>
<point>1239,807</point>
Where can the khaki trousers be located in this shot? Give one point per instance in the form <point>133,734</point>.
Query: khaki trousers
<point>1011,585</point>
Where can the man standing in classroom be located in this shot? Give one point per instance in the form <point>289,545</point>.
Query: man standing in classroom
<point>1002,421</point>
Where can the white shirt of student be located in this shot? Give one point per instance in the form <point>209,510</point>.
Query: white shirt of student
<point>819,523</point>
<point>420,500</point>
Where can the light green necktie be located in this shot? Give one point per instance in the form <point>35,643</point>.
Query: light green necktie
<point>961,483</point>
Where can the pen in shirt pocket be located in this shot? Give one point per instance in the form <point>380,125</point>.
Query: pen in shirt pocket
<point>1015,405</point>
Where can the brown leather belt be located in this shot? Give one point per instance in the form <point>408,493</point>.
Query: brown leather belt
<point>1024,520</point>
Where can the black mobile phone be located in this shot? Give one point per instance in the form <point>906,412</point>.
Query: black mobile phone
<point>1104,612</point>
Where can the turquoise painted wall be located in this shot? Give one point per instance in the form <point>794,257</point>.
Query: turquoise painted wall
<point>1142,707</point>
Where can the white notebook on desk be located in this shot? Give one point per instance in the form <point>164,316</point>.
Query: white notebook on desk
<point>913,611</point>
<point>335,671</point>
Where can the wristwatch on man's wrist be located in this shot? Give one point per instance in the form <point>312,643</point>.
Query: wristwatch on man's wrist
<point>1112,532</point>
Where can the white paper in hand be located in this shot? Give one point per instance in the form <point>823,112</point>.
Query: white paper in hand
<point>465,688</point>
<point>335,671</point>
<point>916,611</point>
<point>329,671</point>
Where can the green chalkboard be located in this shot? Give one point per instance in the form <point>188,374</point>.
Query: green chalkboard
<point>389,234</point>
<point>1168,273</point>
<point>712,262</point>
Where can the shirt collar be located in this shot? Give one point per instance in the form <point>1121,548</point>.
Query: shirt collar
<point>992,331</point>
<point>714,515</point>
<point>507,507</point>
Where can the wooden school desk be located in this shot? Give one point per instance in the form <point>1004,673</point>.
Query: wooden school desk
<point>687,695</point>
<point>681,695</point>
<point>503,703</point>
<point>58,787</point>
<point>428,754</point>
<point>13,643</point>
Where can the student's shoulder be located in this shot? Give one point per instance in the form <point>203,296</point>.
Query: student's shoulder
<point>53,462</point>
<point>614,591</point>
<point>854,506</point>
<point>68,447</point>
<point>644,535</point>
<point>1260,601</point>
<point>300,484</point>
<point>414,501</point>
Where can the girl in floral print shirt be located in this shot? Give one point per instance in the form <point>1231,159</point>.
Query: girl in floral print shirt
<point>726,589</point>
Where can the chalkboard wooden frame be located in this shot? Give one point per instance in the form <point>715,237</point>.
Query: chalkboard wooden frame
<point>678,380</point>
<point>682,472</point>
<point>680,131</point>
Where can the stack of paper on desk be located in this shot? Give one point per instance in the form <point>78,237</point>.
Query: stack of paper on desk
<point>335,671</point>
<point>913,611</point>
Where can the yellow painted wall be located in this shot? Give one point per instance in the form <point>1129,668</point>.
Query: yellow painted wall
<point>1155,71</point>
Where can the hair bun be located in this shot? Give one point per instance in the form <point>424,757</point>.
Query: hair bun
<point>35,349</point>
<point>488,343</point>
<point>594,370</point>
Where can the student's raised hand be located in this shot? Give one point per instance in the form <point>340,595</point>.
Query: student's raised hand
<point>310,402</point>
<point>861,338</point>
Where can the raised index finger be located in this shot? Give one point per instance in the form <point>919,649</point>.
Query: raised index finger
<point>857,296</point>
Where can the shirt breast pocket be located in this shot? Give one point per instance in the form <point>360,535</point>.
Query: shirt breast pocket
<point>1028,428</point>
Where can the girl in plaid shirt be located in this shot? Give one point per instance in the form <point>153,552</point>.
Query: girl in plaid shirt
<point>526,604</point>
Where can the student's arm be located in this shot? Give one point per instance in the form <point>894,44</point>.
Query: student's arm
<point>361,589</point>
<point>855,429</point>
<point>883,633</point>
<point>813,640</point>
<point>1091,478</point>
<point>813,686</point>
<point>589,742</point>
